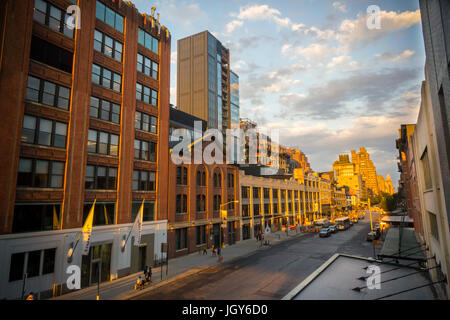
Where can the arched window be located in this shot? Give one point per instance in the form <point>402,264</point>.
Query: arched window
<point>182,176</point>
<point>217,177</point>
<point>201,177</point>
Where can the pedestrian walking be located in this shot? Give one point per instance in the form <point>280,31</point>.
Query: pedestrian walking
<point>149,274</point>
<point>205,252</point>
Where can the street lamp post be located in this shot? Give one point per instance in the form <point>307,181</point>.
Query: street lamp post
<point>219,250</point>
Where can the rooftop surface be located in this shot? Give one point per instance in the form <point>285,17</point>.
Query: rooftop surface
<point>336,278</point>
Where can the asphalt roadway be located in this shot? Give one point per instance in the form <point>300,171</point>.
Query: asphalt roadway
<point>267,274</point>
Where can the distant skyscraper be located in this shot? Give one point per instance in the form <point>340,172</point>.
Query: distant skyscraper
<point>365,167</point>
<point>206,87</point>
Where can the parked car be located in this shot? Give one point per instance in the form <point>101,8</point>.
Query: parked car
<point>340,227</point>
<point>333,229</point>
<point>325,232</point>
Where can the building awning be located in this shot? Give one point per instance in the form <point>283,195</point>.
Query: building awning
<point>397,219</point>
<point>401,243</point>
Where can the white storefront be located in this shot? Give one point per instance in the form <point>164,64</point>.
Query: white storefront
<point>32,253</point>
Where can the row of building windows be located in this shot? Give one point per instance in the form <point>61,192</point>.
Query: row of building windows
<point>144,180</point>
<point>147,95</point>
<point>50,54</point>
<point>144,150</point>
<point>103,143</point>
<point>109,16</point>
<point>46,217</point>
<point>48,93</point>
<point>245,193</point>
<point>147,66</point>
<point>145,122</point>
<point>148,41</point>
<point>104,110</point>
<point>51,16</point>
<point>108,46</point>
<point>106,78</point>
<point>36,173</point>
<point>181,203</point>
<point>44,132</point>
<point>100,178</point>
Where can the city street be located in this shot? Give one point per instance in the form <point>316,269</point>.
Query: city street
<point>267,274</point>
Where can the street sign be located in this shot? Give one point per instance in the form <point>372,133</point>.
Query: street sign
<point>223,214</point>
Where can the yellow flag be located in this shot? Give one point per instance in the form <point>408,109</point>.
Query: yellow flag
<point>87,230</point>
<point>55,219</point>
<point>106,215</point>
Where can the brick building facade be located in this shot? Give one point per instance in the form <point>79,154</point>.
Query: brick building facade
<point>84,112</point>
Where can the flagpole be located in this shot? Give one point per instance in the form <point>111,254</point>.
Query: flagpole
<point>69,258</point>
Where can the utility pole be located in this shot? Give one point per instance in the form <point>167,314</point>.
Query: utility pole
<point>371,230</point>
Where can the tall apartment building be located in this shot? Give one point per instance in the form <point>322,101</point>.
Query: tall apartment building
<point>86,116</point>
<point>365,167</point>
<point>346,175</point>
<point>206,87</point>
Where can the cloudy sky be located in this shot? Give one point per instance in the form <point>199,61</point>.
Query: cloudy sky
<point>314,70</point>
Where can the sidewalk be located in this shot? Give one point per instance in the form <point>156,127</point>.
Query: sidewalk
<point>178,268</point>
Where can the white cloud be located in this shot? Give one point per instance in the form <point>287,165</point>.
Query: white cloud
<point>173,57</point>
<point>339,6</point>
<point>355,32</point>
<point>173,96</point>
<point>261,12</point>
<point>231,26</point>
<point>402,57</point>
<point>338,61</point>
<point>316,51</point>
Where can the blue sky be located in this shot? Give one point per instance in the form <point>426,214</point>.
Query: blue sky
<point>313,70</point>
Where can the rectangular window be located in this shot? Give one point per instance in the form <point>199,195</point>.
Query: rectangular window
<point>181,238</point>
<point>147,95</point>
<point>148,41</point>
<point>433,225</point>
<point>100,178</point>
<point>40,173</point>
<point>181,204</point>
<point>104,110</point>
<point>245,192</point>
<point>36,260</point>
<point>144,150</point>
<point>44,132</point>
<point>201,235</point>
<point>147,66</point>
<point>49,54</point>
<point>49,15</point>
<point>145,122</point>
<point>106,78</point>
<point>108,46</point>
<point>109,16</point>
<point>144,180</point>
<point>103,143</point>
<point>426,170</point>
<point>36,217</point>
<point>256,193</point>
<point>48,93</point>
